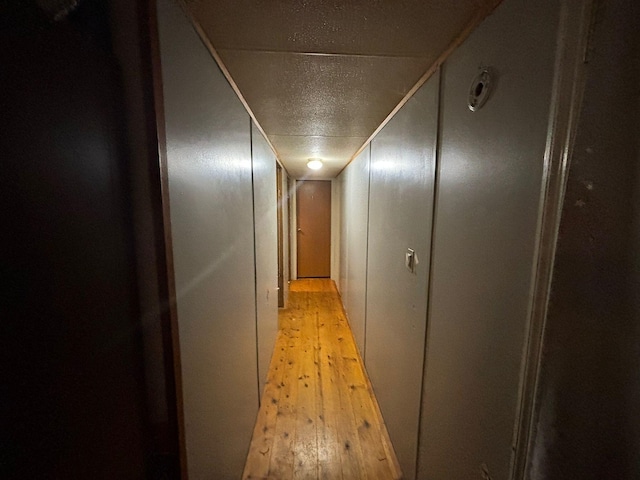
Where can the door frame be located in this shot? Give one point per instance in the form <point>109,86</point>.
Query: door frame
<point>280,199</point>
<point>568,85</point>
<point>293,228</point>
<point>332,225</point>
<point>164,240</point>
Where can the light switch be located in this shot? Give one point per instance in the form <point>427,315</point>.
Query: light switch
<point>410,260</point>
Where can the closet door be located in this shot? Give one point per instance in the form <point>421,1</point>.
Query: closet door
<point>491,168</point>
<point>400,210</point>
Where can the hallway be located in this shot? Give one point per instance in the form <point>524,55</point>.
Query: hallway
<point>482,162</point>
<point>318,416</point>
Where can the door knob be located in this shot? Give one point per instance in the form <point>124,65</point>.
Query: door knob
<point>299,229</point>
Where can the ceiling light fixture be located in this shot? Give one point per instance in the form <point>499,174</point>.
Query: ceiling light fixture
<point>314,164</point>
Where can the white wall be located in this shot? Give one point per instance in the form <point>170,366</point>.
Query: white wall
<point>489,188</point>
<point>400,211</point>
<point>354,187</point>
<point>387,205</point>
<point>336,202</point>
<point>458,412</point>
<point>266,247</point>
<point>286,241</point>
<point>209,155</point>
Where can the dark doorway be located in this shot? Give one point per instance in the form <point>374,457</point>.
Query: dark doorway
<point>72,390</point>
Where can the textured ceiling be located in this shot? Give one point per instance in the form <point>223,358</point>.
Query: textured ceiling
<point>321,76</point>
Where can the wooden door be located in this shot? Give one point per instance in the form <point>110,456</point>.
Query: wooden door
<point>314,228</point>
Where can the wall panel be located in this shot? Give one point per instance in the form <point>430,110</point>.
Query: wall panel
<point>209,162</point>
<point>490,172</point>
<point>355,217</point>
<point>336,211</point>
<point>266,242</point>
<point>400,211</point>
<point>344,217</point>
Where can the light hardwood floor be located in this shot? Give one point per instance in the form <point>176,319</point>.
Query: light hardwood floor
<point>318,417</point>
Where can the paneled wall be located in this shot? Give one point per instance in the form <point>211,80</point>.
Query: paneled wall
<point>443,346</point>
<point>266,245</point>
<point>286,231</point>
<point>224,326</point>
<point>354,188</point>
<point>490,180</point>
<point>400,211</point>
<point>336,214</point>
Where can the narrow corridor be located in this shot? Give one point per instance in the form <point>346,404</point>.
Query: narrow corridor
<point>318,416</point>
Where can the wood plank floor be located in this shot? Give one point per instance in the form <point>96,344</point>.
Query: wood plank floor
<point>318,417</point>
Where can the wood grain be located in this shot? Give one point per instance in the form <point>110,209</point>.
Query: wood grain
<point>319,418</point>
<point>313,219</point>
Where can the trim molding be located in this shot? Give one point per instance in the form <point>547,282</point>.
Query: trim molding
<point>568,86</point>
<point>214,53</point>
<point>484,10</point>
<point>164,240</point>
